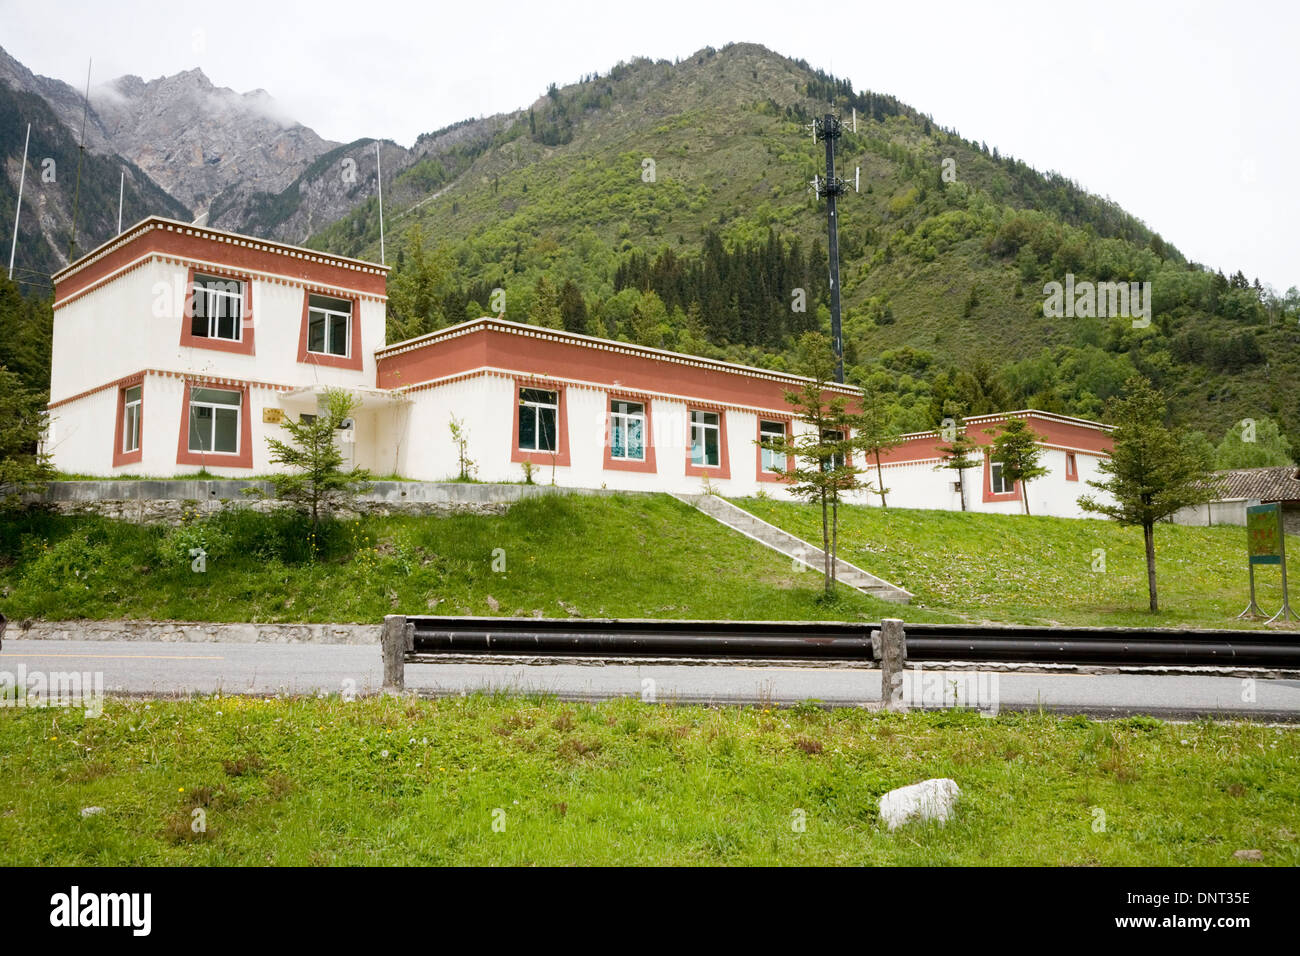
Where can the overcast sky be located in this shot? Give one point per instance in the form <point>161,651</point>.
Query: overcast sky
<point>1184,113</point>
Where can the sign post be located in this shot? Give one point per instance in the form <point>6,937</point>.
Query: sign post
<point>1266,543</point>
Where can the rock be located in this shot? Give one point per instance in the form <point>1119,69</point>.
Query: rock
<point>493,604</point>
<point>1249,854</point>
<point>928,800</point>
<point>91,811</point>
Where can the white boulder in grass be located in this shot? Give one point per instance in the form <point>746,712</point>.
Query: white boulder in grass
<point>928,800</point>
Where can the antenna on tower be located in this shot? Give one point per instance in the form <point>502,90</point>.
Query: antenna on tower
<point>379,178</point>
<point>828,129</point>
<point>81,152</point>
<point>18,209</point>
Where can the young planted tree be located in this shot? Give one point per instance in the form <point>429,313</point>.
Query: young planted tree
<point>22,423</point>
<point>1016,449</point>
<point>1152,472</point>
<point>823,453</point>
<point>318,482</point>
<point>959,456</point>
<point>876,432</point>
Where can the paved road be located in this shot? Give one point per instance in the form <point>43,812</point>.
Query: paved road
<point>170,668</point>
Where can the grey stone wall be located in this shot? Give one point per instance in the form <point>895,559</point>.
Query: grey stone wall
<point>168,502</point>
<point>181,632</point>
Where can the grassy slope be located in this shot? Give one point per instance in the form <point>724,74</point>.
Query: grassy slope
<point>605,556</point>
<point>380,781</point>
<point>1037,570</point>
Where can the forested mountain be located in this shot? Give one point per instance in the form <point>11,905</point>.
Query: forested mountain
<point>943,275</point>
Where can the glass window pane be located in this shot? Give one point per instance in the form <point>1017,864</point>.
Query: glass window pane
<point>326,302</point>
<point>217,396</point>
<point>636,439</point>
<point>226,437</point>
<point>227,327</point>
<point>528,428</point>
<point>200,428</point>
<point>339,334</point>
<point>537,396</point>
<point>546,429</point>
<point>133,393</point>
<point>711,446</point>
<point>618,440</point>
<point>316,332</point>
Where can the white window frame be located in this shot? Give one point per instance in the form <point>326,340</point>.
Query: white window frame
<point>534,408</point>
<point>189,420</point>
<point>210,298</point>
<point>764,433</point>
<point>325,314</point>
<point>131,409</point>
<point>702,444</point>
<point>621,420</point>
<point>996,479</point>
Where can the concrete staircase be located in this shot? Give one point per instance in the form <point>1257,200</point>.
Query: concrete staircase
<point>797,549</point>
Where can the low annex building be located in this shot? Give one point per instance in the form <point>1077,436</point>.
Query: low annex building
<point>179,347</point>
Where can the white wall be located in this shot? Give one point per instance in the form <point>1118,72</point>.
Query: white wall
<point>133,322</point>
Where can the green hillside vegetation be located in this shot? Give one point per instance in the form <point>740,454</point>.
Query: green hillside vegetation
<point>1039,570</point>
<point>562,554</point>
<point>943,281</point>
<point>568,554</point>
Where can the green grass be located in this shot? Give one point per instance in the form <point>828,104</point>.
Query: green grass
<point>1021,569</point>
<point>615,556</point>
<point>382,781</point>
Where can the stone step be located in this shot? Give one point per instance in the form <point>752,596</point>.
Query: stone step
<point>740,520</point>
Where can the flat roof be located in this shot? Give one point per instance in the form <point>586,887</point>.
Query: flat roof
<point>491,323</point>
<point>217,235</point>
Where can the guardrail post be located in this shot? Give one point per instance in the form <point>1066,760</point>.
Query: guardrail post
<point>393,639</point>
<point>893,659</point>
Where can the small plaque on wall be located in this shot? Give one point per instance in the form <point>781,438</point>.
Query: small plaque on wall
<point>273,416</point>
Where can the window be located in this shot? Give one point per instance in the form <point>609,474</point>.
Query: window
<point>538,409</point>
<point>997,483</point>
<point>1071,467</point>
<point>706,439</point>
<point>214,420</point>
<point>217,309</point>
<point>329,322</point>
<point>131,406</point>
<point>627,431</point>
<point>837,459</point>
<point>771,461</point>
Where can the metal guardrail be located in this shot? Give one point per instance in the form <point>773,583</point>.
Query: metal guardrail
<point>427,639</point>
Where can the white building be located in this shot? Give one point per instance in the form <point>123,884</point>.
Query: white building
<point>179,348</point>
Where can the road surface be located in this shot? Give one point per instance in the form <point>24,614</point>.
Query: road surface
<point>138,667</point>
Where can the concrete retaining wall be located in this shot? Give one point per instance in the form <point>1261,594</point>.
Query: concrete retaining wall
<point>182,632</point>
<point>167,501</point>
